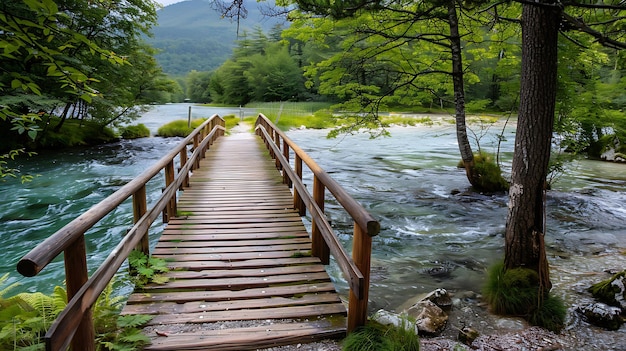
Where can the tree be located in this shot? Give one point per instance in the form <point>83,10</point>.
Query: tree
<point>396,53</point>
<point>526,222</point>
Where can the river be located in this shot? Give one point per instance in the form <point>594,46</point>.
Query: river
<point>430,238</point>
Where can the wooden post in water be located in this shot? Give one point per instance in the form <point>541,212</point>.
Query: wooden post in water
<point>298,203</point>
<point>319,247</point>
<point>75,256</point>
<point>139,209</point>
<point>361,254</point>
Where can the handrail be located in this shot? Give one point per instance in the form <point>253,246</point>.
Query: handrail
<point>357,268</point>
<point>74,325</point>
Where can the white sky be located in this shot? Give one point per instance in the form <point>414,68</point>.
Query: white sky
<point>168,2</point>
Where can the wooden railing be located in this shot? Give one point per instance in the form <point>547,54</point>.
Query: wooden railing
<point>74,326</point>
<point>325,242</point>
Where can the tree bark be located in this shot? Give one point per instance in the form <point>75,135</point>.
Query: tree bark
<point>525,226</point>
<point>467,155</point>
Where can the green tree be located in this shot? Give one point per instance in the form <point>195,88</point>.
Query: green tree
<point>198,86</point>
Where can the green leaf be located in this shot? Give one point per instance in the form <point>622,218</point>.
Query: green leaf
<point>32,134</point>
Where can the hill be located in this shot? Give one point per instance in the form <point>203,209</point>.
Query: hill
<point>192,35</point>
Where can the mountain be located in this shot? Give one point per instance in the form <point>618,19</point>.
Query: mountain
<point>192,35</point>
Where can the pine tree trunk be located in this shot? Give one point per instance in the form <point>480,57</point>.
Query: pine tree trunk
<point>525,227</point>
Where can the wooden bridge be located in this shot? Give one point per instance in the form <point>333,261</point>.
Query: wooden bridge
<point>244,272</point>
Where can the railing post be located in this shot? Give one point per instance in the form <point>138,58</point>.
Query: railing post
<point>361,254</point>
<point>139,209</point>
<point>75,256</point>
<point>183,162</point>
<point>298,203</point>
<point>169,179</point>
<point>196,143</point>
<point>319,247</point>
<point>286,179</point>
<point>276,159</point>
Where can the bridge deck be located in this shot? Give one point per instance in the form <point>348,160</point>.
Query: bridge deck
<point>241,277</point>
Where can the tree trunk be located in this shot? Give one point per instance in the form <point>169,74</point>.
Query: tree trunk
<point>525,226</point>
<point>459,94</point>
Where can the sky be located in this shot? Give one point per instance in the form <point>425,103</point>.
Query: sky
<point>168,2</point>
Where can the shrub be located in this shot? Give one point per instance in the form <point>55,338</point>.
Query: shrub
<point>515,292</point>
<point>135,132</point>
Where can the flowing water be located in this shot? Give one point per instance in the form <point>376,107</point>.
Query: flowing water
<point>435,233</point>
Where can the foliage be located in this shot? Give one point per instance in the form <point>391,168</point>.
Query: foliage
<point>515,292</point>
<point>179,128</point>
<point>146,270</point>
<point>74,133</point>
<point>26,317</point>
<point>376,337</point>
<point>490,177</point>
<point>133,132</point>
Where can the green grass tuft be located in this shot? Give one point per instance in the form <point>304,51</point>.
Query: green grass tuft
<point>376,337</point>
<point>515,292</point>
<point>135,132</point>
<point>179,128</point>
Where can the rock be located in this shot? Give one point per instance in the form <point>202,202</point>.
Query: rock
<point>389,318</point>
<point>441,298</point>
<point>467,335</point>
<point>429,318</point>
<point>602,315</point>
<point>612,291</point>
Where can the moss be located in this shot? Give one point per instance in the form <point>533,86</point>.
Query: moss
<point>74,133</point>
<point>489,174</point>
<point>515,292</point>
<point>299,254</point>
<point>377,337</point>
<point>605,290</point>
<point>135,132</point>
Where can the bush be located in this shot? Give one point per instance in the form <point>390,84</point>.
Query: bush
<point>135,132</point>
<point>74,133</point>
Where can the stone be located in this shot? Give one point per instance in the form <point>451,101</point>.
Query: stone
<point>441,298</point>
<point>602,315</point>
<point>467,335</point>
<point>389,318</point>
<point>430,319</point>
<point>612,291</point>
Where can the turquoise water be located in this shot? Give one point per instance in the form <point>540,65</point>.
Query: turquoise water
<point>406,181</point>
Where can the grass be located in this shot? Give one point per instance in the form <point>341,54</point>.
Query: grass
<point>74,133</point>
<point>134,132</point>
<point>179,128</point>
<point>377,337</point>
<point>515,292</point>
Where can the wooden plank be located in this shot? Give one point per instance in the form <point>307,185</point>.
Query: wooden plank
<point>242,339</point>
<point>239,283</point>
<point>200,265</point>
<point>203,306</point>
<point>213,249</point>
<point>245,272</point>
<point>233,242</point>
<point>220,295</point>
<point>233,256</point>
<point>310,311</point>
